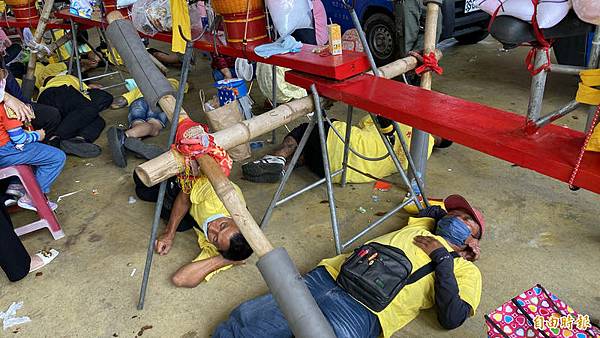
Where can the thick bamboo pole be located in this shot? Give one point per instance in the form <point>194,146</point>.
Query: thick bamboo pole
<point>429,40</point>
<point>170,163</point>
<point>39,33</point>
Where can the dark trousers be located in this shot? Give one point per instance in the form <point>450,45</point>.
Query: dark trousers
<point>80,116</point>
<point>312,154</point>
<point>46,117</point>
<point>14,259</point>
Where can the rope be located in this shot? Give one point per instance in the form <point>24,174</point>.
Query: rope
<point>364,157</point>
<point>429,63</point>
<point>543,44</point>
<point>588,136</point>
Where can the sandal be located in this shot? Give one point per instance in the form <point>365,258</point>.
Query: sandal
<point>46,256</point>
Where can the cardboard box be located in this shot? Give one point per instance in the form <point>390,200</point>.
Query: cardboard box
<point>335,39</point>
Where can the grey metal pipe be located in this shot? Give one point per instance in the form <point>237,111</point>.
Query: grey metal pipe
<point>346,144</point>
<point>305,189</point>
<point>566,69</point>
<point>593,63</point>
<point>411,166</point>
<point>538,85</point>
<point>293,297</point>
<point>555,115</point>
<point>326,168</point>
<point>187,58</point>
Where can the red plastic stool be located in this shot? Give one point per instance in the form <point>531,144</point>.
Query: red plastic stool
<point>47,216</point>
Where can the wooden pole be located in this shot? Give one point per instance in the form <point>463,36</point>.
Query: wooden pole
<point>39,33</point>
<point>170,163</point>
<point>431,20</point>
<point>401,66</point>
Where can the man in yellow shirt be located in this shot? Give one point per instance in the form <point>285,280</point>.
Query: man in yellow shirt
<point>220,240</point>
<point>455,288</point>
<point>364,139</point>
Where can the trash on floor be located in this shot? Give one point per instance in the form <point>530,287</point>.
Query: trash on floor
<point>131,200</point>
<point>361,210</point>
<point>382,185</point>
<point>10,319</point>
<point>67,195</point>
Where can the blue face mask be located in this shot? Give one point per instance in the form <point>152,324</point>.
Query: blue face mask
<point>453,229</point>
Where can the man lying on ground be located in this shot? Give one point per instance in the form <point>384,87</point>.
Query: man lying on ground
<point>81,123</point>
<point>364,138</point>
<point>143,122</point>
<point>455,288</point>
<point>220,240</point>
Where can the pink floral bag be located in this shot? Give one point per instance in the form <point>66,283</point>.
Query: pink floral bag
<point>537,313</point>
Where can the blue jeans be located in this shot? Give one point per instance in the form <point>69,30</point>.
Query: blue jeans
<point>261,317</point>
<point>139,110</point>
<point>46,160</point>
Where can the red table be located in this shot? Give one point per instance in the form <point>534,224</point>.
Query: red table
<point>8,22</point>
<point>552,151</point>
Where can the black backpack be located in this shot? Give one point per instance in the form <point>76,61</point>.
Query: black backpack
<point>375,273</point>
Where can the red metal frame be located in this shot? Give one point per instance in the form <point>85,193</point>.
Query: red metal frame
<point>552,151</point>
<point>8,22</point>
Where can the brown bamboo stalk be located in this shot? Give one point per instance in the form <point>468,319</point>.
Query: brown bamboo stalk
<point>39,32</point>
<point>401,66</point>
<point>431,19</point>
<point>237,209</point>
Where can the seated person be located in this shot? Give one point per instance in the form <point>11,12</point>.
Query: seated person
<point>364,139</point>
<point>221,242</point>
<point>455,288</point>
<point>81,123</point>
<point>14,259</point>
<point>143,122</point>
<point>18,146</point>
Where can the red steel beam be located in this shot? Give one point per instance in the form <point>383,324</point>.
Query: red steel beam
<point>552,151</point>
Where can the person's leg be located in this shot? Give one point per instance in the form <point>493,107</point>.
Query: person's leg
<point>101,98</point>
<point>46,117</point>
<point>48,161</point>
<point>92,131</point>
<point>14,259</point>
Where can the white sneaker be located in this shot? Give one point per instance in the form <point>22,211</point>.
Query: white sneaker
<point>15,189</point>
<point>26,203</point>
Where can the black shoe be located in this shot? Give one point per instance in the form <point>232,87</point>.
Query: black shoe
<point>80,148</point>
<point>116,139</point>
<point>268,169</point>
<point>147,151</point>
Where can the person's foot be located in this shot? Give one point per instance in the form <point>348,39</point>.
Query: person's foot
<point>118,103</point>
<point>10,202</point>
<point>79,147</point>
<point>441,142</point>
<point>268,169</point>
<point>116,139</point>
<point>147,151</point>
<point>25,202</point>
<point>16,190</point>
<point>41,259</point>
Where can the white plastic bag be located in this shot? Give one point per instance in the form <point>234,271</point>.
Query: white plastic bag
<point>152,16</point>
<point>125,3</point>
<point>289,15</point>
<point>549,12</point>
<point>588,10</point>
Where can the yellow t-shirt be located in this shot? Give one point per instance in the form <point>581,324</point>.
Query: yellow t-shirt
<point>44,71</point>
<point>135,93</point>
<point>69,80</point>
<point>420,295</point>
<point>206,203</point>
<point>365,139</point>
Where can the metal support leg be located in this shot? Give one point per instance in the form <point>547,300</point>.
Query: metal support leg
<point>163,186</point>
<point>111,52</point>
<point>593,63</point>
<point>288,173</point>
<point>75,52</point>
<point>538,85</point>
<point>327,169</point>
<point>274,96</point>
<point>412,169</point>
<point>347,144</point>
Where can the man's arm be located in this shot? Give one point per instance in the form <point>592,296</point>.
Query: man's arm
<point>192,274</point>
<point>436,212</point>
<point>181,206</point>
<point>452,311</point>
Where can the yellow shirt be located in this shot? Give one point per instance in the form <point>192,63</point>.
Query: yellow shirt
<point>135,93</point>
<point>365,139</point>
<point>206,203</point>
<point>44,71</point>
<point>68,80</point>
<point>420,295</point>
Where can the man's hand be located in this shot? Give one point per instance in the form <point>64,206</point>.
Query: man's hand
<point>427,243</point>
<point>226,73</point>
<point>95,86</point>
<point>164,243</point>
<point>42,133</point>
<point>23,111</point>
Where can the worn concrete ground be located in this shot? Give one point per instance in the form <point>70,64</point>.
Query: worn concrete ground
<point>538,230</point>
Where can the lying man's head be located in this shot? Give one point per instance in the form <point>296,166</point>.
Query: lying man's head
<point>463,226</point>
<point>226,236</point>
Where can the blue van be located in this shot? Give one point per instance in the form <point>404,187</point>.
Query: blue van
<point>462,20</point>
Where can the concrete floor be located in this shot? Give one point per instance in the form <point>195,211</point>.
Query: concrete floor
<point>538,230</point>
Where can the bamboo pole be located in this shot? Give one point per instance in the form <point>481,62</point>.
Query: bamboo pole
<point>429,40</point>
<point>37,38</point>
<point>170,163</point>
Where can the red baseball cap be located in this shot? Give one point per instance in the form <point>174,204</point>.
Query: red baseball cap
<point>454,202</point>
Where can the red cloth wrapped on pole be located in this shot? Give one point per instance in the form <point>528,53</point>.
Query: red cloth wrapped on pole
<point>430,64</point>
